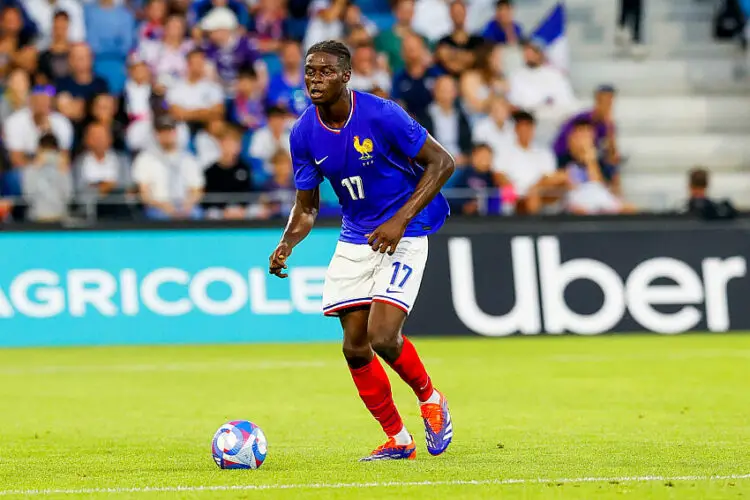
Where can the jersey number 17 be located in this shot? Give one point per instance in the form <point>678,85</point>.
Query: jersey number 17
<point>354,186</point>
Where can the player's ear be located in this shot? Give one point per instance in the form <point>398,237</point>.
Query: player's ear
<point>347,75</point>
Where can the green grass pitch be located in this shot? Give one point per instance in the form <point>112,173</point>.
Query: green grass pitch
<point>554,417</point>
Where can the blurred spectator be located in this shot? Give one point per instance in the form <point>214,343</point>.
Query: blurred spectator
<point>152,28</point>
<point>588,194</point>
<point>43,13</point>
<point>16,44</point>
<point>539,85</point>
<point>353,17</point>
<point>366,76</point>
<point>358,36</point>
<point>246,109</point>
<point>412,86</point>
<point>477,176</point>
<point>432,19</point>
<point>169,180</point>
<point>484,80</point>
<point>199,10</point>
<point>281,184</point>
<point>16,94</point>
<point>629,26</point>
<point>456,52</point>
<point>111,34</point>
<point>601,116</point>
<point>389,42</point>
<point>287,88</point>
<point>208,145</point>
<point>136,103</point>
<point>700,204</point>
<point>529,168</point>
<point>76,92</point>
<point>229,49</point>
<point>503,29</point>
<point>99,168</point>
<point>47,183</point>
<point>446,122</point>
<point>495,130</point>
<point>104,112</point>
<point>228,175</point>
<point>54,63</point>
<point>268,140</point>
<point>196,100</point>
<point>325,21</point>
<point>167,56</point>
<point>22,130</point>
<point>268,25</point>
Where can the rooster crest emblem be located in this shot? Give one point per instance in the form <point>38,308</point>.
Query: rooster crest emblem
<point>364,148</point>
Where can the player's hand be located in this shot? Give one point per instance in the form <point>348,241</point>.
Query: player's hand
<point>387,236</point>
<point>277,261</point>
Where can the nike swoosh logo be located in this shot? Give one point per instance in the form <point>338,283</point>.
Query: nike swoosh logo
<point>318,162</point>
<point>394,291</point>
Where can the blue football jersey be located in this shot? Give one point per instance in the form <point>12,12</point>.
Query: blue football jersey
<point>369,163</point>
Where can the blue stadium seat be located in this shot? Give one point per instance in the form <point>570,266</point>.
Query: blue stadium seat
<point>273,63</point>
<point>384,21</point>
<point>373,6</point>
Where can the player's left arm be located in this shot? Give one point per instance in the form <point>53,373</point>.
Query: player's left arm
<point>438,167</point>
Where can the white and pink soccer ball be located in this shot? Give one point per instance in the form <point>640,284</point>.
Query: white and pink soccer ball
<point>239,444</point>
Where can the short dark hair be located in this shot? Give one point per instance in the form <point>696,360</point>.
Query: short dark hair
<point>335,48</point>
<point>195,52</point>
<point>481,145</point>
<point>504,3</point>
<point>524,116</point>
<point>276,111</point>
<point>48,141</point>
<point>699,178</point>
<point>247,72</point>
<point>582,121</point>
<point>61,13</point>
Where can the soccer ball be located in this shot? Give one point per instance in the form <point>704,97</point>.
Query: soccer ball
<point>239,444</point>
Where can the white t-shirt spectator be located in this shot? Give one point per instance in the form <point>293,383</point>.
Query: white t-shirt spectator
<point>196,95</point>
<point>379,79</point>
<point>535,88</point>
<point>22,134</point>
<point>432,19</point>
<point>207,149</point>
<point>486,131</point>
<point>94,170</point>
<point>318,29</point>
<point>42,13</point>
<point>264,145</point>
<point>524,167</point>
<point>168,176</point>
<point>168,64</point>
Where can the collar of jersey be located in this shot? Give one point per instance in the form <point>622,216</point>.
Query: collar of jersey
<point>351,113</point>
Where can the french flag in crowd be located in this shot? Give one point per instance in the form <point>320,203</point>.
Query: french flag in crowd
<point>552,31</point>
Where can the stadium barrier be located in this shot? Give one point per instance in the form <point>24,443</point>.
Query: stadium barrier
<point>204,283</point>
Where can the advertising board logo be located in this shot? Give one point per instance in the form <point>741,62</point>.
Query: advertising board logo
<point>540,278</point>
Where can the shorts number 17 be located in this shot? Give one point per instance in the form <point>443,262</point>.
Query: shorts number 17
<point>397,268</point>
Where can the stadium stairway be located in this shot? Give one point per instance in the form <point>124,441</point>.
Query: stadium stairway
<point>686,104</point>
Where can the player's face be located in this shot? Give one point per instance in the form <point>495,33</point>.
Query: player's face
<point>324,78</point>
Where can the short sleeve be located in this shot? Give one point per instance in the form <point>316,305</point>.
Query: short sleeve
<point>141,168</point>
<point>13,134</point>
<point>548,163</point>
<point>402,131</point>
<point>63,130</point>
<point>307,176</point>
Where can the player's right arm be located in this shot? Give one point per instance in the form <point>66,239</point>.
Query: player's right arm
<point>301,221</point>
<point>307,178</point>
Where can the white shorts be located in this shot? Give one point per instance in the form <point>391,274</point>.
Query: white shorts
<point>357,276</point>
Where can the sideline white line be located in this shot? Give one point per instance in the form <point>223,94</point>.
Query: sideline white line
<point>170,367</point>
<point>326,486</point>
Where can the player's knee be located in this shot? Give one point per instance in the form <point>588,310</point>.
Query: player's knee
<point>385,341</point>
<point>357,356</point>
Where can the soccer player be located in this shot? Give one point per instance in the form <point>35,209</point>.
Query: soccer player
<point>387,172</point>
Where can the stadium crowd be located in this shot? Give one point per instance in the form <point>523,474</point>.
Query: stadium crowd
<point>177,109</point>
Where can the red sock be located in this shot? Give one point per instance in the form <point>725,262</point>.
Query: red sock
<point>375,391</point>
<point>411,370</point>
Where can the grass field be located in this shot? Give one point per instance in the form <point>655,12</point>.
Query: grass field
<point>573,417</point>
